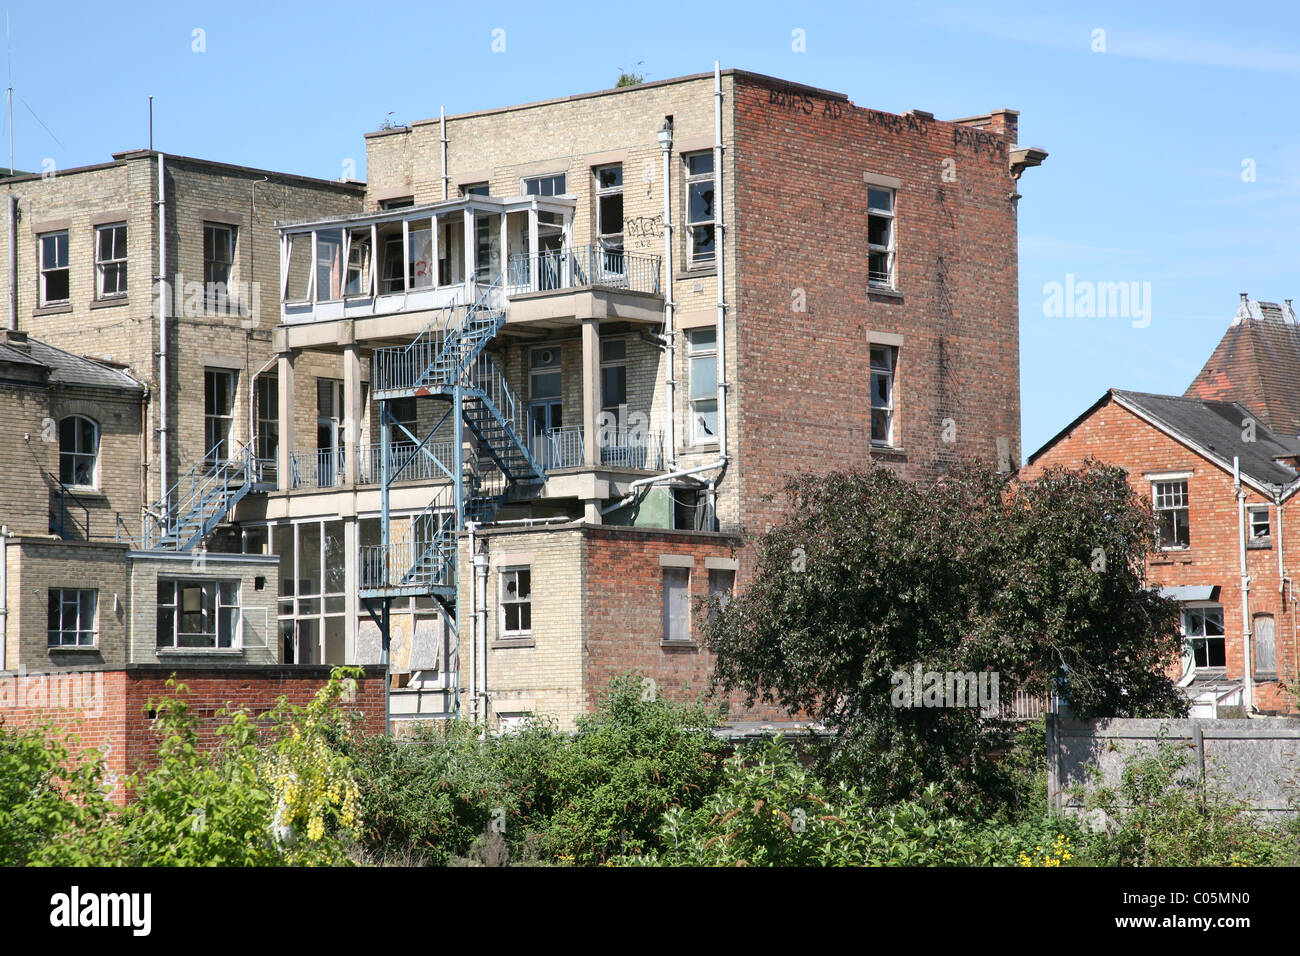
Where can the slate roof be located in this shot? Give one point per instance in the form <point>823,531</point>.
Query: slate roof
<point>1257,363</point>
<point>1218,429</point>
<point>68,369</point>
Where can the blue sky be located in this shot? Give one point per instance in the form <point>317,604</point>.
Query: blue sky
<point>1147,139</point>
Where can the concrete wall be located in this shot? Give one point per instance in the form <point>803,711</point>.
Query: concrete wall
<point>1257,761</point>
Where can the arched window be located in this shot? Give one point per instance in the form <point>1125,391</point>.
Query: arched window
<point>78,452</point>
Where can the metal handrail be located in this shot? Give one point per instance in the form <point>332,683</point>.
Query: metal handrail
<point>593,265</point>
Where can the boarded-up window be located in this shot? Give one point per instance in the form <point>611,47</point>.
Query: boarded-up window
<point>677,612</point>
<point>1265,647</point>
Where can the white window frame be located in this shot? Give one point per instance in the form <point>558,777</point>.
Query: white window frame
<point>609,241</point>
<point>1191,607</point>
<point>1252,515</point>
<point>74,598</point>
<point>116,262</point>
<point>889,372</point>
<point>47,268</point>
<point>74,453</point>
<point>218,605</point>
<point>693,179</point>
<point>503,601</point>
<point>874,279</point>
<point>671,575</point>
<point>229,417</point>
<point>1157,494</point>
<point>709,354</point>
<point>560,179</point>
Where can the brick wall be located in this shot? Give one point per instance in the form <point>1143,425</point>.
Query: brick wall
<point>107,708</point>
<point>1118,437</point>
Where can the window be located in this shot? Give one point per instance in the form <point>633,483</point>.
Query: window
<point>1169,499</point>
<point>475,189</point>
<point>1203,629</point>
<point>677,610</point>
<point>721,582</point>
<point>399,203</point>
<point>198,614</point>
<point>609,206</point>
<point>404,412</point>
<point>218,259</point>
<point>1257,516</point>
<point>78,452</point>
<point>613,375</point>
<point>72,621</point>
<point>516,602</point>
<point>268,417</point>
<point>702,350</point>
<point>553,185</point>
<point>1263,649</point>
<point>110,260</point>
<point>54,267</point>
<point>882,394</point>
<point>700,217</point>
<point>218,412</point>
<point>880,237</point>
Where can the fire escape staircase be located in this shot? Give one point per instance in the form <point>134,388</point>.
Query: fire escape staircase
<point>202,498</point>
<point>448,360</point>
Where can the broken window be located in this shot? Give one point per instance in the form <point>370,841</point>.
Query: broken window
<point>700,216</point>
<point>677,608</point>
<point>358,281</point>
<point>54,267</point>
<point>1169,499</point>
<point>1258,515</point>
<point>552,185</point>
<point>1203,629</point>
<point>110,260</point>
<point>880,237</point>
<point>882,394</point>
<point>702,347</point>
<point>609,218</point>
<point>516,602</point>
<point>721,583</point>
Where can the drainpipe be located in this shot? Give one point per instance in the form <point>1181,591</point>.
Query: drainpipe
<point>720,245</point>
<point>480,627</point>
<point>670,381</point>
<point>473,618</point>
<point>13,262</point>
<point>164,295</point>
<point>442,120</point>
<point>672,476</point>
<point>1249,700</point>
<point>4,597</point>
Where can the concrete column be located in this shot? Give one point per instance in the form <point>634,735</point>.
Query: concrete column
<point>351,411</point>
<point>284,396</point>
<point>351,586</point>
<point>590,392</point>
<point>591,511</point>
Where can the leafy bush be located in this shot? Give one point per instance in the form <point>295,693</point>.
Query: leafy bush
<point>1160,815</point>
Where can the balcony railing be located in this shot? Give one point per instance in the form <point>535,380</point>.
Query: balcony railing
<point>588,266</point>
<point>620,447</point>
<point>325,467</point>
<point>316,468</point>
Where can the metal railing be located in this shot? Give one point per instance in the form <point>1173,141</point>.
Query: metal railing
<point>415,465</point>
<point>559,447</point>
<point>317,468</point>
<point>631,447</point>
<point>202,496</point>
<point>486,378</point>
<point>586,266</point>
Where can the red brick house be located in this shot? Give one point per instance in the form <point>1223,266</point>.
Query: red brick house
<point>1219,465</point>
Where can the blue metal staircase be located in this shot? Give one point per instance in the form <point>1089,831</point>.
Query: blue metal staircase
<point>447,360</point>
<point>202,498</point>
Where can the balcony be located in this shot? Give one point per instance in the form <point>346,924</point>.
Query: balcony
<point>619,448</point>
<point>325,467</point>
<point>592,266</point>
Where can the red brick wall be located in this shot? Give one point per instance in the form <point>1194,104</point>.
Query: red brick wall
<point>110,715</point>
<point>1118,437</point>
<point>623,597</point>
<point>801,224</point>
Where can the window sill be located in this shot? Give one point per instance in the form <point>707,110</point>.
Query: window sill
<point>699,449</point>
<point>1260,545</point>
<point>199,651</point>
<point>110,302</point>
<point>506,643</point>
<point>698,272</point>
<point>1266,678</point>
<point>679,644</point>
<point>73,648</point>
<point>85,491</point>
<point>887,292</point>
<point>55,308</point>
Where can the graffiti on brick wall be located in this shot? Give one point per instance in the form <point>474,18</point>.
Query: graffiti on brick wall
<point>907,123</point>
<point>800,102</point>
<point>980,142</point>
<point>641,231</point>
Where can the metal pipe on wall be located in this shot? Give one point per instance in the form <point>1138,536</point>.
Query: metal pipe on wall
<point>1249,684</point>
<point>13,262</point>
<point>720,245</point>
<point>164,295</point>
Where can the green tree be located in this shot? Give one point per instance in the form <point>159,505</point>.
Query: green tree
<point>871,576</point>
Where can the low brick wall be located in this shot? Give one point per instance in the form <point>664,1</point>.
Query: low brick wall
<point>106,708</point>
